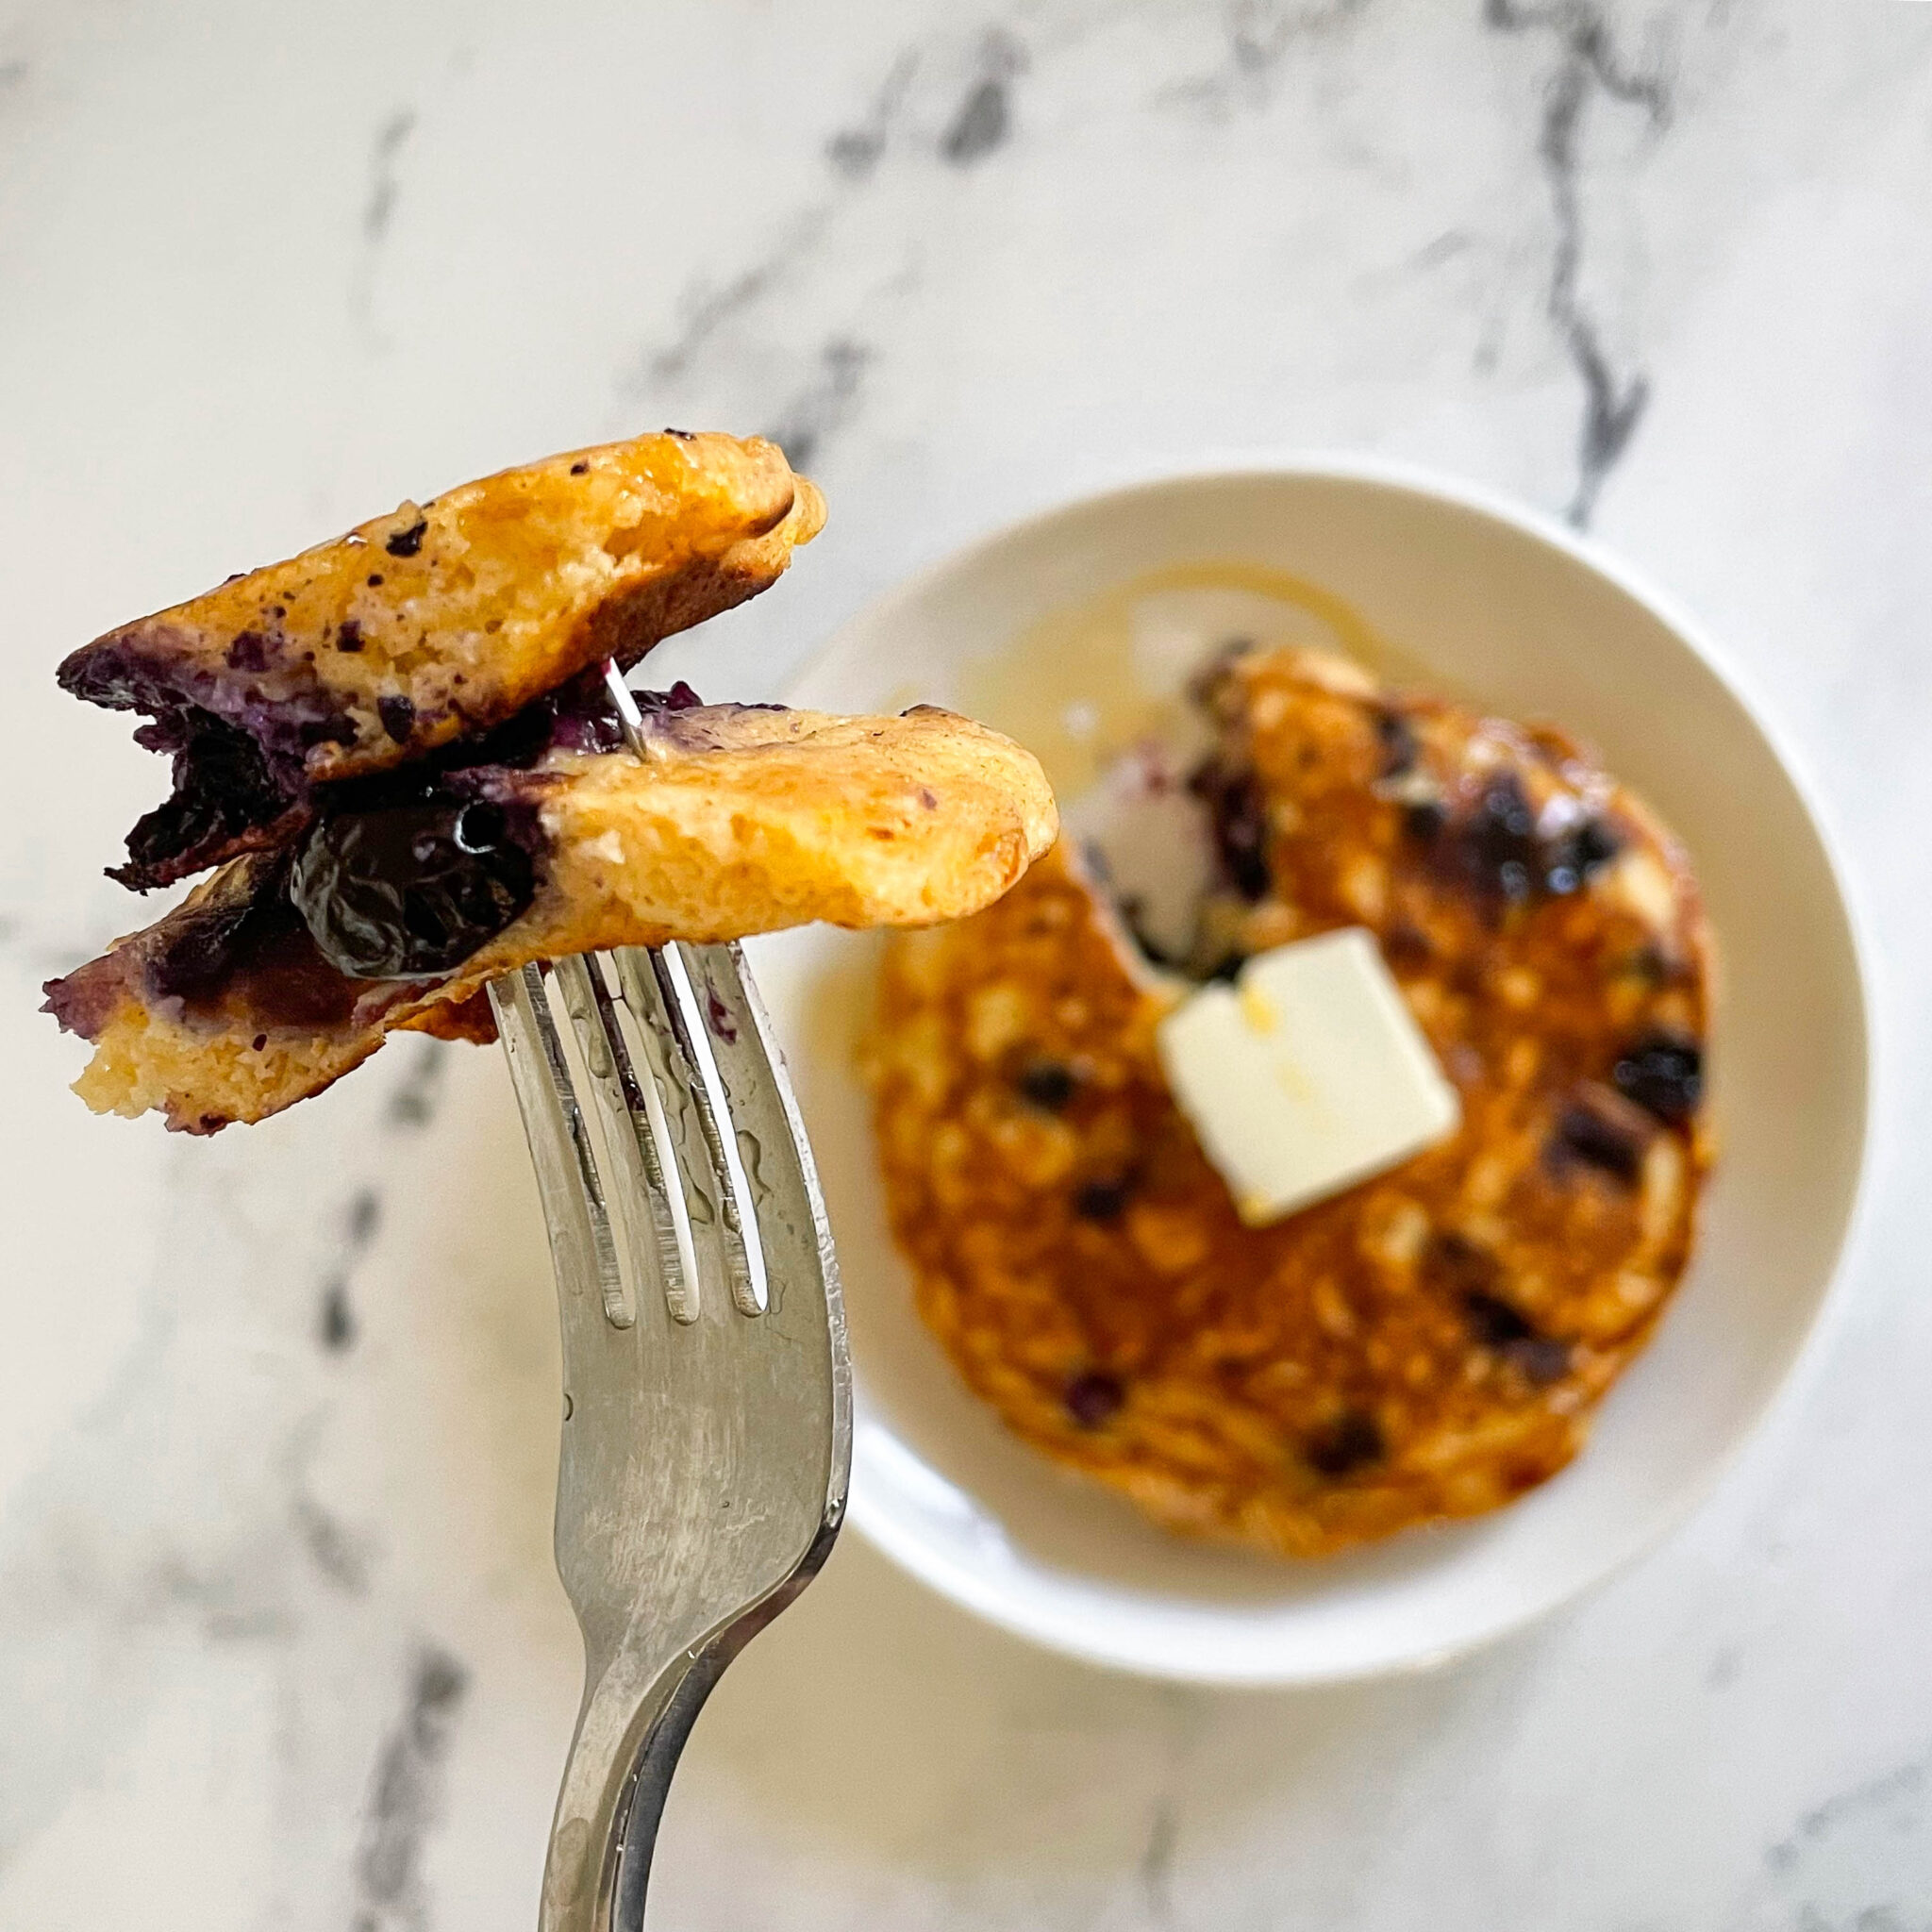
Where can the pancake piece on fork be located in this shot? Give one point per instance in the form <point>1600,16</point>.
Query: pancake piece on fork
<point>402,752</point>
<point>435,622</point>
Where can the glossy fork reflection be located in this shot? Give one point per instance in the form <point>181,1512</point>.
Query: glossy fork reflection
<point>706,1433</point>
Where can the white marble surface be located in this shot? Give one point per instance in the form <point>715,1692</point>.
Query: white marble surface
<point>280,1641</point>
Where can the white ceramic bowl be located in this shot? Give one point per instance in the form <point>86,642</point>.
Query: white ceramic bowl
<point>1533,622</point>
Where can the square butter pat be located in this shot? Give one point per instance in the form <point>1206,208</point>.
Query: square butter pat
<point>1307,1074</point>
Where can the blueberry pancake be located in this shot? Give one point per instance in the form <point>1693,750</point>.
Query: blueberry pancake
<point>1429,1344</point>
<point>405,893</point>
<point>433,623</point>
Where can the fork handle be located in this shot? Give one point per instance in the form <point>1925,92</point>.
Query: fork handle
<point>652,1785</point>
<point>627,1742</point>
<point>628,1739</point>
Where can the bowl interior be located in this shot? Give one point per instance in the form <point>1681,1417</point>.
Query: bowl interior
<point>1524,620</point>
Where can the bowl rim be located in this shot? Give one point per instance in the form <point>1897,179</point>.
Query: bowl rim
<point>957,1582</point>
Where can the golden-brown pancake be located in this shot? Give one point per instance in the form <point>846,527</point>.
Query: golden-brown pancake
<point>1429,1344</point>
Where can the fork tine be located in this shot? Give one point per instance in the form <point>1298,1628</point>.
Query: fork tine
<point>695,1021</point>
<point>628,1090</point>
<point>600,1102</point>
<point>677,1008</point>
<point>767,1136</point>
<point>579,1228</point>
<point>577,1129</point>
<point>647,1074</point>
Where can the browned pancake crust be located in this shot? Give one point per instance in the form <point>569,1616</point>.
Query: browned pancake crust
<point>1427,1344</point>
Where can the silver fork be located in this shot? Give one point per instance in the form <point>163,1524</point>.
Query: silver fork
<point>707,1416</point>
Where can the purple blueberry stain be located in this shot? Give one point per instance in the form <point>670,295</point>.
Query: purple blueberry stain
<point>1598,1130</point>
<point>1351,1441</point>
<point>1539,1359</point>
<point>1499,1327</point>
<point>1663,1074</point>
<point>1422,820</point>
<point>1102,1200</point>
<point>248,651</point>
<point>1238,812</point>
<point>1572,858</point>
<point>1046,1084</point>
<point>408,890</point>
<point>1494,1322</point>
<point>223,787</point>
<point>1498,843</point>
<point>398,715</point>
<point>1400,747</point>
<point>681,697</point>
<point>1093,1398</point>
